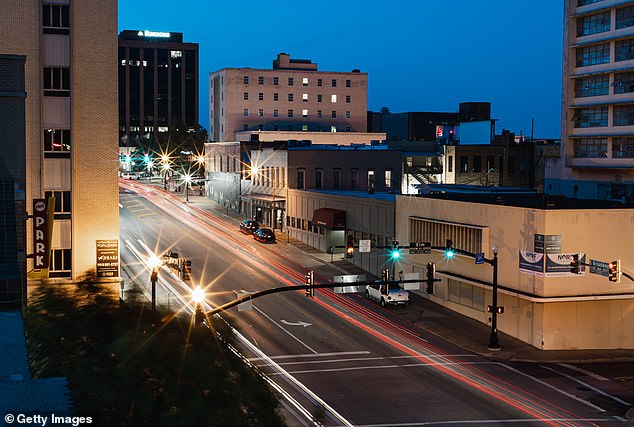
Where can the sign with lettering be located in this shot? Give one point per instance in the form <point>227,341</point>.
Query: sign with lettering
<point>107,258</point>
<point>559,264</point>
<point>599,267</point>
<point>547,244</point>
<point>41,245</point>
<point>154,34</point>
<point>419,247</point>
<point>531,262</point>
<point>364,245</point>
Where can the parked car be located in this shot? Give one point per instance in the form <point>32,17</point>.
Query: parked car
<point>386,293</point>
<point>264,235</point>
<point>130,175</point>
<point>248,226</point>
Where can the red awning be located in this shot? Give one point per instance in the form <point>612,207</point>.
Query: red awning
<point>334,219</point>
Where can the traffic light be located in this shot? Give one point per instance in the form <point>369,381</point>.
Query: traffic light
<point>449,250</point>
<point>500,309</point>
<point>574,263</point>
<point>431,273</point>
<point>396,253</point>
<point>614,269</point>
<point>385,275</point>
<point>350,247</point>
<point>310,282</point>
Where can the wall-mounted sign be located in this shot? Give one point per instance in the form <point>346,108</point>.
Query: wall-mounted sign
<point>41,245</point>
<point>531,262</point>
<point>547,244</point>
<point>154,34</point>
<point>599,267</point>
<point>107,258</point>
<point>364,245</point>
<point>559,264</point>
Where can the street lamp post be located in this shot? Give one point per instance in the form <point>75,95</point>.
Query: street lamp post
<point>187,179</point>
<point>153,279</point>
<point>494,344</point>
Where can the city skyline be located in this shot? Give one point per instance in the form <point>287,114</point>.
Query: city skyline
<point>512,62</point>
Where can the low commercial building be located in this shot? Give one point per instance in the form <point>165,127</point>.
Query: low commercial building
<point>545,304</point>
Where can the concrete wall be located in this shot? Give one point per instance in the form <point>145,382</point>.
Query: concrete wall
<point>573,312</point>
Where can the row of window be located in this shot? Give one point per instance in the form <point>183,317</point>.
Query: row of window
<point>291,97</point>
<point>56,81</point>
<point>55,19</point>
<point>270,176</point>
<point>489,165</point>
<point>601,22</point>
<point>600,85</point>
<point>291,113</point>
<point>586,2</point>
<point>291,127</point>
<point>622,115</point>
<point>291,81</point>
<point>600,53</point>
<point>622,147</point>
<point>336,178</point>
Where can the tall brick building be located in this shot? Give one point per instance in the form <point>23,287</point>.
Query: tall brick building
<point>293,96</point>
<point>70,121</point>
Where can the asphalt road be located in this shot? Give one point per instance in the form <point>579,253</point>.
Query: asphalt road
<point>341,358</point>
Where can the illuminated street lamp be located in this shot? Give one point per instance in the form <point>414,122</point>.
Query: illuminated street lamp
<point>198,297</point>
<point>154,263</point>
<point>187,178</point>
<point>494,344</point>
<point>166,168</point>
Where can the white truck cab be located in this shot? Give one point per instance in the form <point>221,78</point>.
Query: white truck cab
<point>387,293</point>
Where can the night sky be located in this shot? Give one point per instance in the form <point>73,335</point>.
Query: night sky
<point>420,55</point>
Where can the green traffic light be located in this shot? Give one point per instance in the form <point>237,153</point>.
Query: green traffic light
<point>449,253</point>
<point>396,254</point>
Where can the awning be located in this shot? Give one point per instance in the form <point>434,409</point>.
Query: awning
<point>334,219</point>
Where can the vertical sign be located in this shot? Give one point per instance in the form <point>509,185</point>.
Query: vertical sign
<point>41,249</point>
<point>547,244</point>
<point>107,258</point>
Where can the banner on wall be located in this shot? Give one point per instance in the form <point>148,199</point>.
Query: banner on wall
<point>531,262</point>
<point>559,264</point>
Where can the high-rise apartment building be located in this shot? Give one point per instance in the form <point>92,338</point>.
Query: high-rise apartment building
<point>158,83</point>
<point>70,122</point>
<point>293,96</point>
<point>598,102</point>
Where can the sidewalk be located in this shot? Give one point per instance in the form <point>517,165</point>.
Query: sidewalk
<point>461,330</point>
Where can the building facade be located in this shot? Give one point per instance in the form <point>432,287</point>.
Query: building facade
<point>293,96</point>
<point>598,102</point>
<point>70,122</point>
<point>158,84</point>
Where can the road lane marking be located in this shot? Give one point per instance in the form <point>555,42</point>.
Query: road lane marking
<point>583,371</point>
<point>298,323</point>
<point>294,356</point>
<point>285,330</point>
<point>357,359</point>
<point>601,392</point>
<point>407,365</point>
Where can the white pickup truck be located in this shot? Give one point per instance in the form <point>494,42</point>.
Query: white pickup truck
<point>387,293</point>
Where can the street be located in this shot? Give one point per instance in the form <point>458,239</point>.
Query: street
<point>342,358</point>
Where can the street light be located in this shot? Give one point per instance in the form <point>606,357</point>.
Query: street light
<point>187,178</point>
<point>154,262</point>
<point>166,168</point>
<point>198,297</point>
<point>494,344</point>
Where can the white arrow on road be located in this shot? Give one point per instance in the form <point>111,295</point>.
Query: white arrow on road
<point>299,323</point>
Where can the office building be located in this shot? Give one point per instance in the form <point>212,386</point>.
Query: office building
<point>598,102</point>
<point>292,96</point>
<point>70,123</point>
<point>158,84</point>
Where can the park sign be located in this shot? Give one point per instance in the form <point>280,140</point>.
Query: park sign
<point>42,232</point>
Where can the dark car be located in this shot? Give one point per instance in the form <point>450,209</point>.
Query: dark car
<point>264,235</point>
<point>248,226</point>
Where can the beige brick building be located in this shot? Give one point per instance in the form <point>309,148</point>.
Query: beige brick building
<point>293,96</point>
<point>71,120</point>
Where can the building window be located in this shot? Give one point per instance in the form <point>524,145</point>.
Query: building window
<point>334,114</point>
<point>260,96</point>
<point>586,2</point>
<point>334,83</point>
<point>62,203</point>
<point>623,148</point>
<point>591,117</point>
<point>319,114</point>
<point>354,178</point>
<point>290,81</point>
<point>56,81</point>
<point>347,114</point>
<point>319,175</point>
<point>304,113</point>
<point>245,80</point>
<point>464,164</point>
<point>57,140</point>
<point>336,178</point>
<point>319,82</point>
<point>593,55</point>
<point>590,147</point>
<point>261,112</point>
<point>55,19</point>
<point>347,99</point>
<point>333,99</point>
<point>276,97</point>
<point>593,24</point>
<point>592,86</point>
<point>370,179</point>
<point>623,83</point>
<point>60,263</point>
<point>347,83</point>
<point>245,113</point>
<point>301,185</point>
<point>276,113</point>
<point>624,50</point>
<point>305,97</point>
<point>290,113</point>
<point>245,96</point>
<point>388,179</point>
<point>450,164</point>
<point>319,98</point>
<point>625,17</point>
<point>333,129</point>
<point>276,81</point>
<point>467,237</point>
<point>477,164</point>
<point>290,97</point>
<point>624,115</point>
<point>348,128</point>
<point>305,81</point>
<point>245,127</point>
<point>261,80</point>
